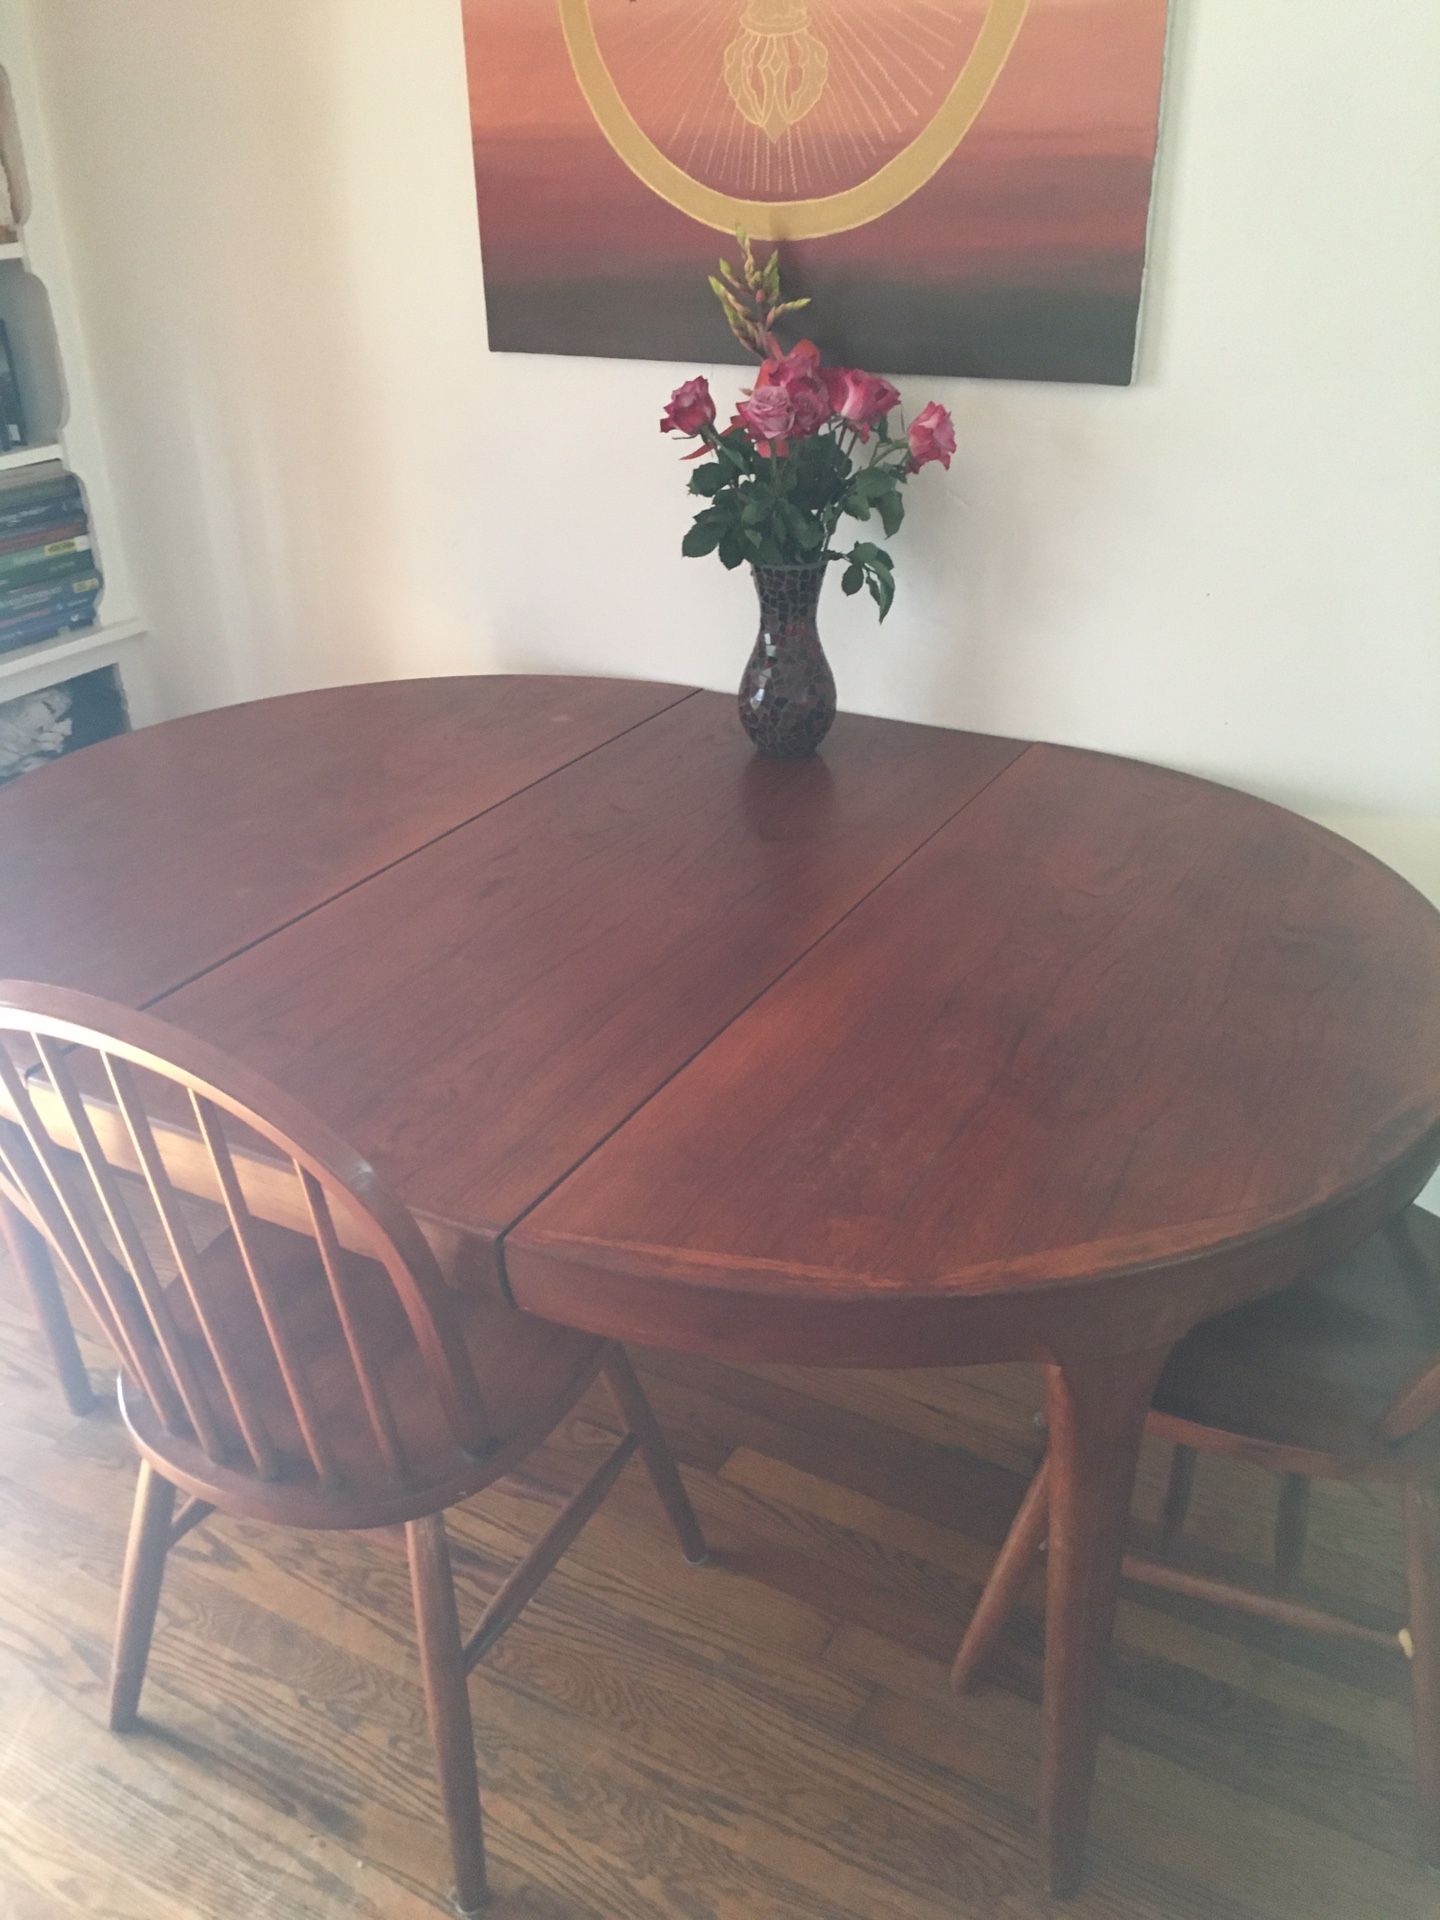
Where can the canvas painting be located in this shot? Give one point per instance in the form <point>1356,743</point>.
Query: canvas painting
<point>960,186</point>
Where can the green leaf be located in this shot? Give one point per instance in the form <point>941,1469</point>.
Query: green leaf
<point>892,512</point>
<point>731,552</point>
<point>709,479</point>
<point>809,534</point>
<point>857,506</point>
<point>852,579</point>
<point>871,482</point>
<point>882,590</point>
<point>757,508</point>
<point>864,551</point>
<point>700,540</point>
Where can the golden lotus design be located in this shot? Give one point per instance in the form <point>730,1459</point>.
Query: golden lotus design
<point>775,68</point>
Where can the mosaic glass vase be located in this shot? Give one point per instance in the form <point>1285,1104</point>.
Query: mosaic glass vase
<point>787,697</point>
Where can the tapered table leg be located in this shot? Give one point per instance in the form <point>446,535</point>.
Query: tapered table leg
<point>1422,1553</point>
<point>639,1418</point>
<point>32,1257</point>
<point>1097,1411</point>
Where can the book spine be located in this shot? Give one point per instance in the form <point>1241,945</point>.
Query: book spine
<point>34,477</point>
<point>64,607</point>
<point>21,485</point>
<point>63,604</point>
<point>18,601</point>
<point>31,538</point>
<point>45,626</point>
<point>16,519</point>
<point>12,415</point>
<point>54,561</point>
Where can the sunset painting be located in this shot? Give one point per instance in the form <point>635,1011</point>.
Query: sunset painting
<point>960,186</point>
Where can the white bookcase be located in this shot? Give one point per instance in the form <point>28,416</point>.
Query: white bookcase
<point>37,304</point>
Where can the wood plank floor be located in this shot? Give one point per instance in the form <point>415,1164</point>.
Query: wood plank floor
<point>771,1738</point>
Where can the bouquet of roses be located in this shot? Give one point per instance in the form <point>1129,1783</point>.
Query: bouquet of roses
<point>808,446</point>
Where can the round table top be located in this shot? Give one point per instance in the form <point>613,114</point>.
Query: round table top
<point>939,1046</point>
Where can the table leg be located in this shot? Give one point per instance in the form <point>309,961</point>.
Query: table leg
<point>32,1257</point>
<point>1097,1410</point>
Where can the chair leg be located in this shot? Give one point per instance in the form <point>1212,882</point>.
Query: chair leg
<point>32,1257</point>
<point>1002,1589</point>
<point>1292,1523</point>
<point>1098,1408</point>
<point>1178,1489</point>
<point>1422,1557</point>
<point>140,1593</point>
<point>639,1418</point>
<point>447,1701</point>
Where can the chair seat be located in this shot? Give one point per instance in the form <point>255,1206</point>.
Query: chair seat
<point>528,1372</point>
<point>1309,1373</point>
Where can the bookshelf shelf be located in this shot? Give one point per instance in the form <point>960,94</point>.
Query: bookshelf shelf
<point>66,654</point>
<point>31,456</point>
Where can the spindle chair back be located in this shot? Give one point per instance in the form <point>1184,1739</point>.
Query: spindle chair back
<point>216,1370</point>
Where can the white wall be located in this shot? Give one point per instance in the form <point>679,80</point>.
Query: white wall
<point>1233,567</point>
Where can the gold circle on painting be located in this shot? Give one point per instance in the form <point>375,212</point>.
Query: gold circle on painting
<point>800,219</point>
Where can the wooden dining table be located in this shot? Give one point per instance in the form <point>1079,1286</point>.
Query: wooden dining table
<point>934,1050</point>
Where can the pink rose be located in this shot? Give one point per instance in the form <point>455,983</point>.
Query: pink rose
<point>690,409</point>
<point>810,404</point>
<point>932,437</point>
<point>767,416</point>
<point>798,373</point>
<point>861,399</point>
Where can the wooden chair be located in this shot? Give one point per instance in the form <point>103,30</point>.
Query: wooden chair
<point>1335,1378</point>
<point>32,1262</point>
<point>321,1379</point>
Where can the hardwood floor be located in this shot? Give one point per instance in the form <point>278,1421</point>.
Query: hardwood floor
<point>770,1738</point>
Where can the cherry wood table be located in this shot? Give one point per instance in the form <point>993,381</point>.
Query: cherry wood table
<point>935,1050</point>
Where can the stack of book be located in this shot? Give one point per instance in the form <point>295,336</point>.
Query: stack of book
<point>49,583</point>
